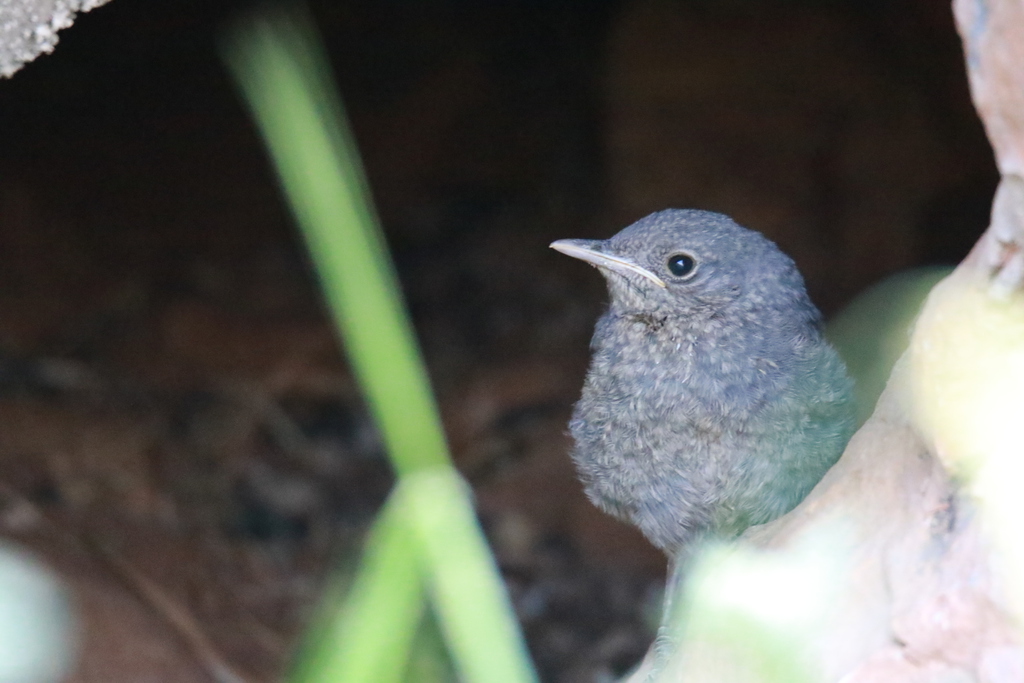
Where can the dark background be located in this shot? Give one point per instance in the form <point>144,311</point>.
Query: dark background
<point>170,388</point>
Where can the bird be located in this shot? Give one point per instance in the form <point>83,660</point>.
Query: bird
<point>712,401</point>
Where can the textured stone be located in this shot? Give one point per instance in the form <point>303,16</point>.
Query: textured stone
<point>28,28</point>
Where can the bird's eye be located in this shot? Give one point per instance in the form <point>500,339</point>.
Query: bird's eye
<point>682,265</point>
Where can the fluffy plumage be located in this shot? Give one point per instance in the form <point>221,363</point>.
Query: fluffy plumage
<point>712,402</point>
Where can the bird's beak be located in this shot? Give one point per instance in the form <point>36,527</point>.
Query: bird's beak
<point>590,251</point>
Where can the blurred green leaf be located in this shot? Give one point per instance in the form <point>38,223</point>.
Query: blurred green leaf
<point>370,635</point>
<point>285,81</point>
<point>429,526</point>
<point>873,331</point>
<point>464,582</point>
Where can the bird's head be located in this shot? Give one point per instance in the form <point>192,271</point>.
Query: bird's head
<point>691,263</point>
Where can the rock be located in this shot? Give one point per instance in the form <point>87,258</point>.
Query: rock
<point>28,28</point>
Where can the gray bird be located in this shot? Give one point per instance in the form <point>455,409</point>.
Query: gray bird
<point>712,401</point>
